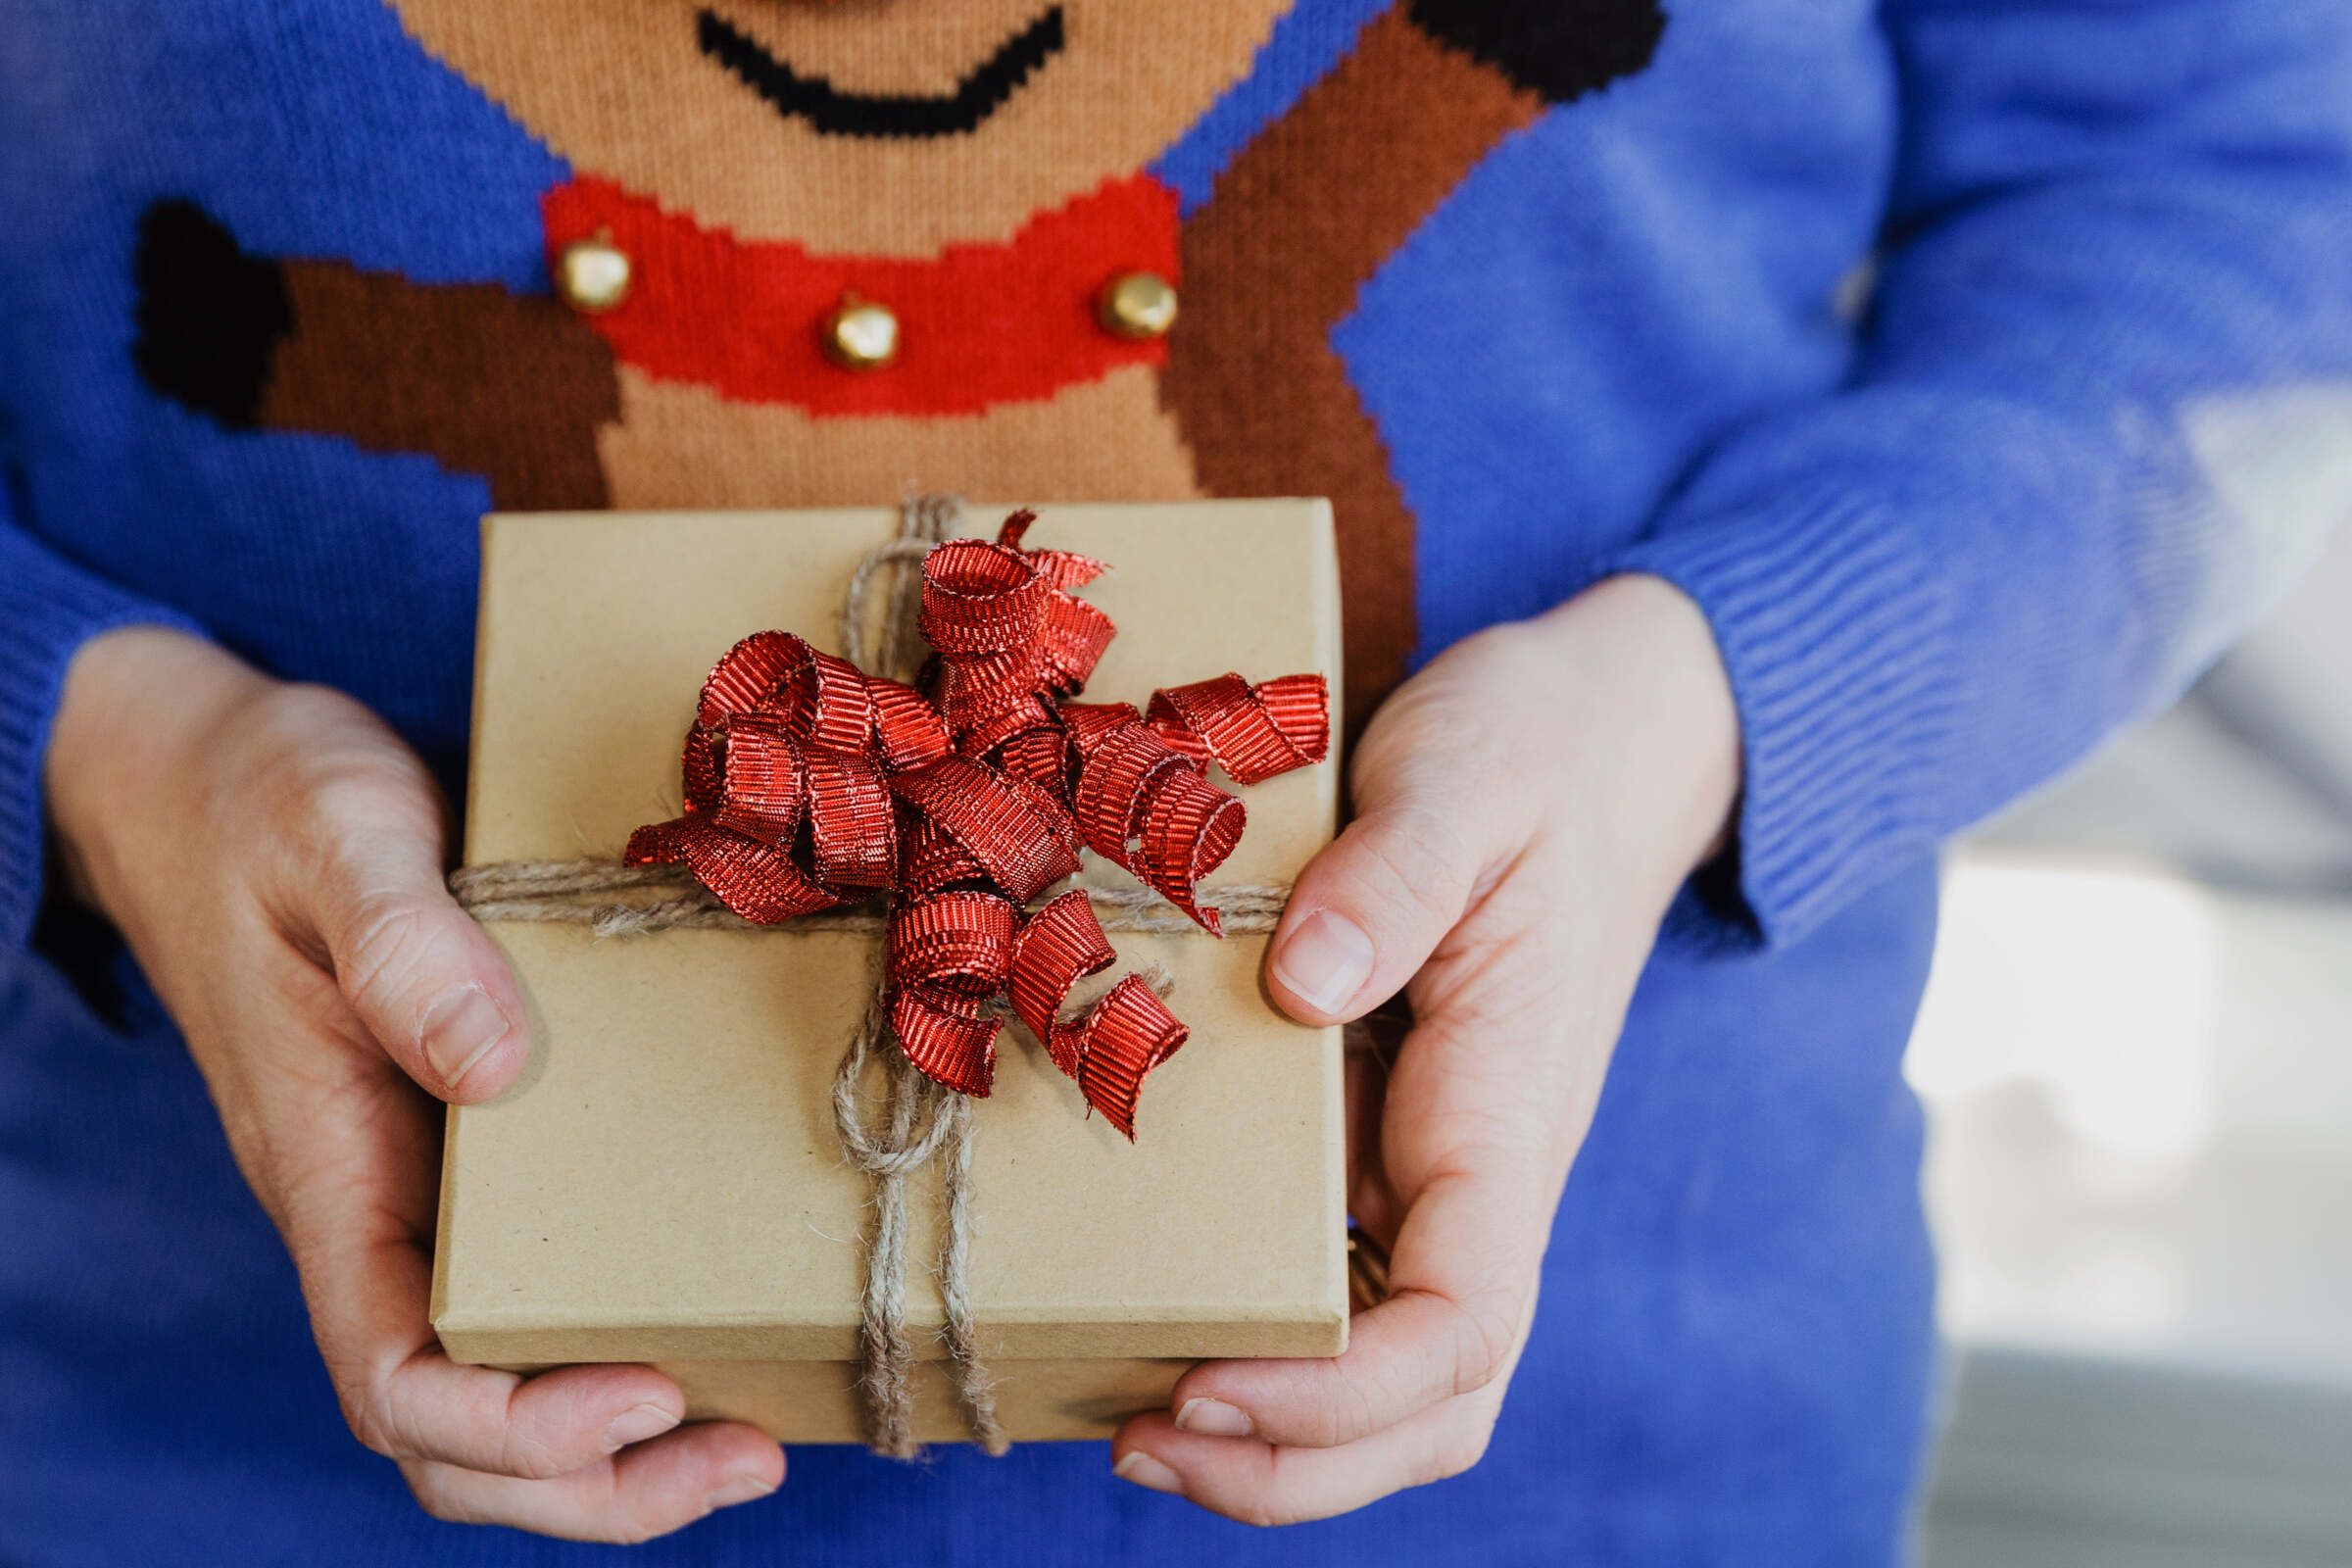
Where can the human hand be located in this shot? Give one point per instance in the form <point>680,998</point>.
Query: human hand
<point>273,854</point>
<point>1528,805</point>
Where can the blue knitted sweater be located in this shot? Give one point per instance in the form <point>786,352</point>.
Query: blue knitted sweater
<point>1979,369</point>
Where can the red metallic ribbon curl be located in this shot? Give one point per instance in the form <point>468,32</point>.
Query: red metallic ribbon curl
<point>810,784</point>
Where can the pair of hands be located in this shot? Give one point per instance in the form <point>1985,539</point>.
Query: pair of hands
<point>1528,804</point>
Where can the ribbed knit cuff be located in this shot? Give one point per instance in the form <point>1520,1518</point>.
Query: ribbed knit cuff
<point>47,611</point>
<point>1836,631</point>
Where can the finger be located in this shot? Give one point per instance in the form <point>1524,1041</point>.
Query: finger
<point>1261,1483</point>
<point>424,977</point>
<point>407,1399</point>
<point>357,1214</point>
<point>499,1423</point>
<point>1462,1289</point>
<point>1370,909</point>
<point>1480,1121</point>
<point>644,1492</point>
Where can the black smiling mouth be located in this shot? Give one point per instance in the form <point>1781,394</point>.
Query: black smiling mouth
<point>830,112</point>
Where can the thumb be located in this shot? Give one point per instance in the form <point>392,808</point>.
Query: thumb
<point>422,976</point>
<point>1368,911</point>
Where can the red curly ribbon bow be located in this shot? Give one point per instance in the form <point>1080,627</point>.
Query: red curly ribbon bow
<point>810,784</point>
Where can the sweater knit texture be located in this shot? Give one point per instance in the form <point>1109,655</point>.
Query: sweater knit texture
<point>1980,369</point>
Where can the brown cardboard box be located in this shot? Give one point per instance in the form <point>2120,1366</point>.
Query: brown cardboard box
<point>664,1182</point>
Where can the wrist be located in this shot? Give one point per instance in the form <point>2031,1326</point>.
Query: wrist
<point>1653,721</point>
<point>135,705</point>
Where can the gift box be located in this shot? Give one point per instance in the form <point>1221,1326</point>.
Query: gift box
<point>667,1183</point>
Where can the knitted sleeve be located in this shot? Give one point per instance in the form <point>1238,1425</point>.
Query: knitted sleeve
<point>48,608</point>
<point>2101,414</point>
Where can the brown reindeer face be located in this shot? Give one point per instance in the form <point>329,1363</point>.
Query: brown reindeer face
<point>871,127</point>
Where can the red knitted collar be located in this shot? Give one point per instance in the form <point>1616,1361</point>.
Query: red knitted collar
<point>979,324</point>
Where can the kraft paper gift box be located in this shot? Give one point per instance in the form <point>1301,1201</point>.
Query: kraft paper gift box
<point>666,1183</point>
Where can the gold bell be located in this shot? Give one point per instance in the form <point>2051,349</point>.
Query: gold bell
<point>861,335</point>
<point>593,275</point>
<point>1139,305</point>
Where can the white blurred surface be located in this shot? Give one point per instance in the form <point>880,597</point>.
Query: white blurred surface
<point>2139,1171</point>
<point>2140,1094</point>
<point>2136,1058</point>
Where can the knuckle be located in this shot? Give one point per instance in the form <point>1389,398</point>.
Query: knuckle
<point>369,1417</point>
<point>1412,857</point>
<point>323,748</point>
<point>376,1415</point>
<point>324,775</point>
<point>1425,842</point>
<point>624,1520</point>
<point>528,1455</point>
<point>1479,1363</point>
<point>357,818</point>
<point>1264,1497</point>
<point>1328,1425</point>
<point>1262,1512</point>
<point>1482,1348</point>
<point>1457,1454</point>
<point>1441,724</point>
<point>388,939</point>
<point>635,1530</point>
<point>433,1496</point>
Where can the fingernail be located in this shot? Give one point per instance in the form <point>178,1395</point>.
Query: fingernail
<point>737,1489</point>
<point>1214,1418</point>
<point>460,1030</point>
<point>636,1424</point>
<point>1325,962</point>
<point>1145,1471</point>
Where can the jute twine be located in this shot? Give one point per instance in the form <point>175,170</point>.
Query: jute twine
<point>918,1123</point>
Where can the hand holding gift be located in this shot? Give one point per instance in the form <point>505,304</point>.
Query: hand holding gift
<point>273,853</point>
<point>1527,807</point>
<point>1525,863</point>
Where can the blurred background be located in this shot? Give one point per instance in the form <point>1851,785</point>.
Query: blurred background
<point>2136,1057</point>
